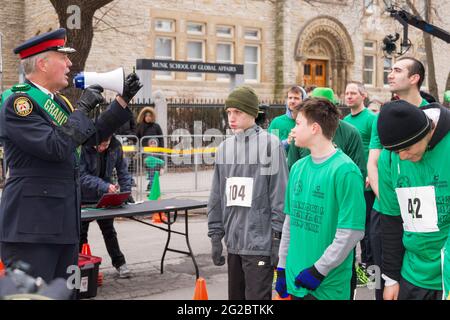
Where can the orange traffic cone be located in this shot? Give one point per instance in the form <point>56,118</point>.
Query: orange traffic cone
<point>200,292</point>
<point>159,217</point>
<point>277,297</point>
<point>86,249</point>
<point>156,218</point>
<point>2,269</point>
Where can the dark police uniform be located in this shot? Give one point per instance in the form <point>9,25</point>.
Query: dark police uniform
<point>40,204</point>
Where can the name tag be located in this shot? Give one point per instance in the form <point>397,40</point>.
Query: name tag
<point>239,191</point>
<point>418,209</point>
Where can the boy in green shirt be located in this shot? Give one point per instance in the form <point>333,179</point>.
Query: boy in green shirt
<point>414,198</point>
<point>346,138</point>
<point>324,211</point>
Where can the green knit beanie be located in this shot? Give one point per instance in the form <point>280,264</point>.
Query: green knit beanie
<point>244,99</point>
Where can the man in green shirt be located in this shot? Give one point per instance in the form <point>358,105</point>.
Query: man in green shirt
<point>405,79</point>
<point>414,198</point>
<point>324,201</point>
<point>362,119</point>
<point>281,126</point>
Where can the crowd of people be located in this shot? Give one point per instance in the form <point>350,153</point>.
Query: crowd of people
<point>295,199</point>
<point>377,177</point>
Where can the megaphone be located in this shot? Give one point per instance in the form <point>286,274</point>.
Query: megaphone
<point>112,80</point>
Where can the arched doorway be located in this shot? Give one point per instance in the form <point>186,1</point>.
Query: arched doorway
<point>325,54</point>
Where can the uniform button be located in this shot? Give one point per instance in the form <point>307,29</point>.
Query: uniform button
<point>45,191</point>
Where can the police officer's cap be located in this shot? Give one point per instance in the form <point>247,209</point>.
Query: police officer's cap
<point>49,41</point>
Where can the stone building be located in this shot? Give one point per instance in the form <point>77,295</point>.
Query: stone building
<point>279,42</point>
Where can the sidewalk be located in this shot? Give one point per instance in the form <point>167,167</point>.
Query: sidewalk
<point>143,247</point>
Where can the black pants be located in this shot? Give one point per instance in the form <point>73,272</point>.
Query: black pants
<point>366,250</point>
<point>110,237</point>
<point>375,244</point>
<point>249,277</point>
<point>408,291</point>
<point>48,261</point>
<point>353,279</point>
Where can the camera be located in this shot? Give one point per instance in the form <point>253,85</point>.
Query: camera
<point>389,45</point>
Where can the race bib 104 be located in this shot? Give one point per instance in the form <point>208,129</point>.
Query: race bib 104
<point>418,209</point>
<point>239,191</point>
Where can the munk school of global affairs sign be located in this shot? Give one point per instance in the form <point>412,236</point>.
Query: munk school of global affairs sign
<point>187,66</point>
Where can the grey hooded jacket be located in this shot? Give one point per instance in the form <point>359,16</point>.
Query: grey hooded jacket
<point>258,155</point>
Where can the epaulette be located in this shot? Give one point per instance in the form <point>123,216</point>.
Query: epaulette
<point>20,87</point>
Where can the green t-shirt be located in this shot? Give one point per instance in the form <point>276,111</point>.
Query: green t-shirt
<point>363,122</point>
<point>346,138</point>
<point>422,260</point>
<point>281,126</point>
<point>321,198</point>
<point>376,144</point>
<point>446,269</point>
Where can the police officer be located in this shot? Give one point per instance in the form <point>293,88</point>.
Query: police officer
<point>42,133</point>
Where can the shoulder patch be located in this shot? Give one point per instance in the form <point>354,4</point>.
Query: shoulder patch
<point>23,106</point>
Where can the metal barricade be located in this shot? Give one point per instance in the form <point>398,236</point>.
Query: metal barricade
<point>131,152</point>
<point>188,163</point>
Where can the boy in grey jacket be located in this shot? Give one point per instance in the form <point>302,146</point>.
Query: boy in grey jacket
<point>247,200</point>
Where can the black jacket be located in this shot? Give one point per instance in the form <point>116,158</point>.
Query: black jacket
<point>41,199</point>
<point>150,129</point>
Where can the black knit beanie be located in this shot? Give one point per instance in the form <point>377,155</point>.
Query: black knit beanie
<point>401,124</point>
<point>244,99</point>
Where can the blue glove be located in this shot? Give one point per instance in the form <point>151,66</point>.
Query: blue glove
<point>280,286</point>
<point>309,278</point>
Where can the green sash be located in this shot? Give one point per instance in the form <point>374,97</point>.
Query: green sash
<point>51,107</point>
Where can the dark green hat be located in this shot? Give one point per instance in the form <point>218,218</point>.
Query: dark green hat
<point>244,99</point>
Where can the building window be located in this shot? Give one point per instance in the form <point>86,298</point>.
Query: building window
<point>319,70</point>
<point>224,54</point>
<point>165,25</point>
<point>368,71</point>
<point>387,65</point>
<point>164,49</point>
<point>369,45</point>
<point>195,54</point>
<point>224,31</point>
<point>252,34</point>
<point>195,28</point>
<point>307,69</point>
<point>251,63</point>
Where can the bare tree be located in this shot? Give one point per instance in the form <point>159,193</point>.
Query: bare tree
<point>79,38</point>
<point>447,84</point>
<point>431,71</point>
